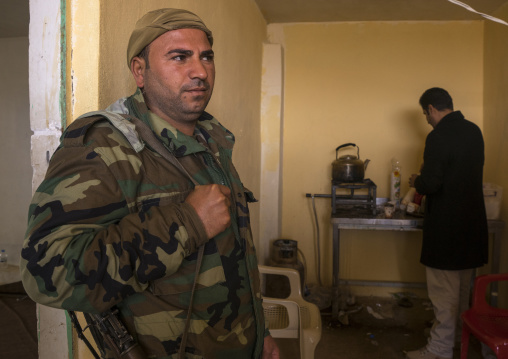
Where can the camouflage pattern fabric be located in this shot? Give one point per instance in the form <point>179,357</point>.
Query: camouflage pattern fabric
<point>108,227</point>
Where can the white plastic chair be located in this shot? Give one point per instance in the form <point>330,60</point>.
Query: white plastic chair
<point>292,317</point>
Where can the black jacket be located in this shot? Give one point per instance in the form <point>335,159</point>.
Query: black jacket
<point>455,234</point>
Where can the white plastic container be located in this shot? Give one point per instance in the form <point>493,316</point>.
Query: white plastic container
<point>395,178</point>
<point>492,194</point>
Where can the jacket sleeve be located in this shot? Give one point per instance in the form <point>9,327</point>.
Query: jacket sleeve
<point>434,164</point>
<point>84,249</point>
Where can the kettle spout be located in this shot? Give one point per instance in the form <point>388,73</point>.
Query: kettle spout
<point>366,162</point>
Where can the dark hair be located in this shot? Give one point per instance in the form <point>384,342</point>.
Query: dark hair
<point>437,97</point>
<point>144,55</point>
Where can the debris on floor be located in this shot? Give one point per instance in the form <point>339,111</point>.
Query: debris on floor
<point>428,305</point>
<point>372,339</point>
<point>404,299</point>
<point>344,315</point>
<point>361,335</point>
<point>381,310</point>
<point>320,296</point>
<point>374,314</point>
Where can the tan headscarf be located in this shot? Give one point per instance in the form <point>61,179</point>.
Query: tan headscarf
<point>157,22</point>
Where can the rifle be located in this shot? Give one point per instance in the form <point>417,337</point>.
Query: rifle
<point>108,330</point>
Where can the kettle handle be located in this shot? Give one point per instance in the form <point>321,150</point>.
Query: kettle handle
<point>345,145</point>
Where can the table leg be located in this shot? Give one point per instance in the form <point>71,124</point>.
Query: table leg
<point>335,285</point>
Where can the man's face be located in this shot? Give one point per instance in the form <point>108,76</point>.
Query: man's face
<point>426,114</point>
<point>429,116</point>
<point>179,81</point>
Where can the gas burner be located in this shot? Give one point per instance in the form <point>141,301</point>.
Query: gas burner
<point>345,198</point>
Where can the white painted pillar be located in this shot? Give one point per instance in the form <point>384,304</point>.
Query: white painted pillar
<point>271,148</point>
<point>45,59</point>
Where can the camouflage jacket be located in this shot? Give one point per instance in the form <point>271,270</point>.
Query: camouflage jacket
<point>108,227</point>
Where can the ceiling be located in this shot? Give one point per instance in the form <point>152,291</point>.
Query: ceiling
<point>14,14</point>
<point>280,11</point>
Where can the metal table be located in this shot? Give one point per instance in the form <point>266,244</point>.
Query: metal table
<point>399,222</point>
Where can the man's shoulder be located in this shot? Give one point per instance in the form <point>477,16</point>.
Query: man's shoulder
<point>81,125</point>
<point>471,126</point>
<point>99,129</point>
<point>457,119</point>
<point>462,128</point>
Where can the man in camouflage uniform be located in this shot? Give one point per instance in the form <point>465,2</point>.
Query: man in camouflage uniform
<point>116,224</point>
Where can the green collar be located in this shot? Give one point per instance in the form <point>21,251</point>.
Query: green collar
<point>207,127</point>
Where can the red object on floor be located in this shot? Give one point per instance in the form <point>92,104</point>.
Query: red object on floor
<point>487,323</point>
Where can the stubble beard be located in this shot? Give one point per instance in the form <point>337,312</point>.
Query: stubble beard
<point>180,107</point>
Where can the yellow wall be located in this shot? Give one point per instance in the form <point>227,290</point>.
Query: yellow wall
<point>360,83</point>
<point>495,127</point>
<point>82,79</point>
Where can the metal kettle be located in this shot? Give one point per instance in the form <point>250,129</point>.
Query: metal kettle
<point>348,168</point>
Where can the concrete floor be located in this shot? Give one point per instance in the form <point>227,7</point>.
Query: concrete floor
<point>385,331</point>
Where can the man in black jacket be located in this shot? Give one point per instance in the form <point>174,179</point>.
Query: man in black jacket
<point>455,235</point>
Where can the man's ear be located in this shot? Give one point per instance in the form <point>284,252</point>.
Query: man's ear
<point>138,67</point>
